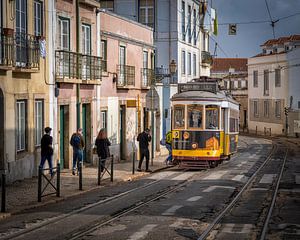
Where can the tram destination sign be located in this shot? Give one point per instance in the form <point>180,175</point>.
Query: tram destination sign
<point>198,86</point>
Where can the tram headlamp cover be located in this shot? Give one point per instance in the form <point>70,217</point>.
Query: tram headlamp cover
<point>186,135</point>
<point>194,145</point>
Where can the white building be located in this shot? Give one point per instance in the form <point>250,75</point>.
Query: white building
<point>274,85</point>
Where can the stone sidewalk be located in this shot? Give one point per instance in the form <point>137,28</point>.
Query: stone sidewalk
<point>22,195</point>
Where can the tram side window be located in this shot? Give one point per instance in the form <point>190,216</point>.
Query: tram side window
<point>179,117</point>
<point>234,121</point>
<point>195,113</point>
<point>212,117</point>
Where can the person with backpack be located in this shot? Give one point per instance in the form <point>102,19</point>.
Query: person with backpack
<point>102,143</point>
<point>46,149</point>
<point>144,138</point>
<point>78,145</point>
<point>169,147</point>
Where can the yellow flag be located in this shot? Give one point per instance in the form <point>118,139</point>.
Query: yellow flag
<point>216,25</point>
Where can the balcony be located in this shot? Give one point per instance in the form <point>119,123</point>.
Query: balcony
<point>19,51</point>
<point>126,76</point>
<point>147,77</point>
<point>74,67</point>
<point>91,3</point>
<point>206,57</point>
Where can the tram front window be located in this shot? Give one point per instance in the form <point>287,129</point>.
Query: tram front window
<point>179,117</point>
<point>195,116</point>
<point>212,117</point>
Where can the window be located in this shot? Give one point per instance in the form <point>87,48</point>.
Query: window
<point>277,108</point>
<point>146,12</point>
<point>266,108</point>
<point>231,84</point>
<point>38,120</point>
<point>239,84</point>
<point>195,27</point>
<point>277,77</point>
<point>234,121</point>
<point>145,67</point>
<point>195,114</point>
<point>21,125</point>
<point>211,117</point>
<point>189,23</point>
<point>255,78</point>
<point>63,33</point>
<point>203,41</point>
<point>183,62</point>
<point>255,108</point>
<point>179,117</point>
<point>266,82</point>
<point>194,65</point>
<point>183,20</point>
<point>86,39</point>
<point>107,5</point>
<point>21,31</point>
<point>299,104</point>
<point>38,18</point>
<point>104,119</point>
<point>189,64</point>
<point>21,16</point>
<point>122,63</point>
<point>104,55</point>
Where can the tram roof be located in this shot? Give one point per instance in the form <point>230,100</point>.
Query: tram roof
<point>203,95</point>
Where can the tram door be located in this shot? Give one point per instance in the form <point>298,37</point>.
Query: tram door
<point>225,111</point>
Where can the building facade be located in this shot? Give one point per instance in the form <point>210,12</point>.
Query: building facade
<point>24,85</point>
<point>273,83</point>
<point>234,79</point>
<point>128,52</point>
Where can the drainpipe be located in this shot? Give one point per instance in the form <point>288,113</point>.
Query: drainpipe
<point>77,73</point>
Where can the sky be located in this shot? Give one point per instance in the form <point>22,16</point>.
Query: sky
<point>250,36</point>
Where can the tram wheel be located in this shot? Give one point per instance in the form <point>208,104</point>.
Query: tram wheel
<point>213,164</point>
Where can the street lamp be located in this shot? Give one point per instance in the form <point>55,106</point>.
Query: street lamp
<point>172,67</point>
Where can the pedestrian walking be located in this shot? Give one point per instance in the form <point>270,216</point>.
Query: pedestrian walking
<point>169,147</point>
<point>102,143</point>
<point>46,149</point>
<point>78,145</point>
<point>144,138</point>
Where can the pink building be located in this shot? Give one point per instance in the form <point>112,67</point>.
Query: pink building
<point>128,51</point>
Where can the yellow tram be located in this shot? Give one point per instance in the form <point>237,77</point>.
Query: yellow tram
<point>205,124</point>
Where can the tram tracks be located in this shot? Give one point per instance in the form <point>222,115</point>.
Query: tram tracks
<point>217,221</point>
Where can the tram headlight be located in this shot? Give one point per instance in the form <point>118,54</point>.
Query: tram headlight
<point>186,135</point>
<point>194,145</point>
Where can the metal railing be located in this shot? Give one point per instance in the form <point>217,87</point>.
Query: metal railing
<point>126,75</point>
<point>147,77</point>
<point>104,65</point>
<point>76,65</point>
<point>163,75</point>
<point>19,50</point>
<point>206,57</point>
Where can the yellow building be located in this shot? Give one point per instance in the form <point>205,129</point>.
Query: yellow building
<point>24,98</point>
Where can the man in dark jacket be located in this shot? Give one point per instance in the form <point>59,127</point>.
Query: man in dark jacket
<point>46,149</point>
<point>77,143</point>
<point>144,138</point>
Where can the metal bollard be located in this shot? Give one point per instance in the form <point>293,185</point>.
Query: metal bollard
<point>58,180</point>
<point>99,171</point>
<point>3,195</point>
<point>40,184</point>
<point>112,169</point>
<point>133,162</point>
<point>80,175</point>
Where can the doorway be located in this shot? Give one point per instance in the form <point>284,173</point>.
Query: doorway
<point>86,131</point>
<point>122,132</point>
<point>245,119</point>
<point>2,164</point>
<point>64,136</point>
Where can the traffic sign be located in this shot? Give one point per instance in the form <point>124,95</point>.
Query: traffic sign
<point>152,100</point>
<point>232,29</point>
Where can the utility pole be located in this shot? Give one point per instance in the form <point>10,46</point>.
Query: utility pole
<point>77,61</point>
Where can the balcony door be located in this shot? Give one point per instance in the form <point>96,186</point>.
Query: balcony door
<point>21,33</point>
<point>122,63</point>
<point>1,37</point>
<point>145,69</point>
<point>63,36</point>
<point>2,165</point>
<point>86,51</point>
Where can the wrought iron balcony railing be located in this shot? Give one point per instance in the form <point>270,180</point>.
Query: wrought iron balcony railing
<point>147,77</point>
<point>77,66</point>
<point>126,75</point>
<point>206,57</point>
<point>19,49</point>
<point>104,65</point>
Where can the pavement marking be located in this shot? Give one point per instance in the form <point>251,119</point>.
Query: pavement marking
<point>194,199</point>
<point>253,156</point>
<point>212,188</point>
<point>171,211</point>
<point>259,189</point>
<point>239,178</point>
<point>215,175</point>
<point>183,176</point>
<point>160,175</point>
<point>297,179</point>
<point>237,228</point>
<point>267,178</point>
<point>142,232</point>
